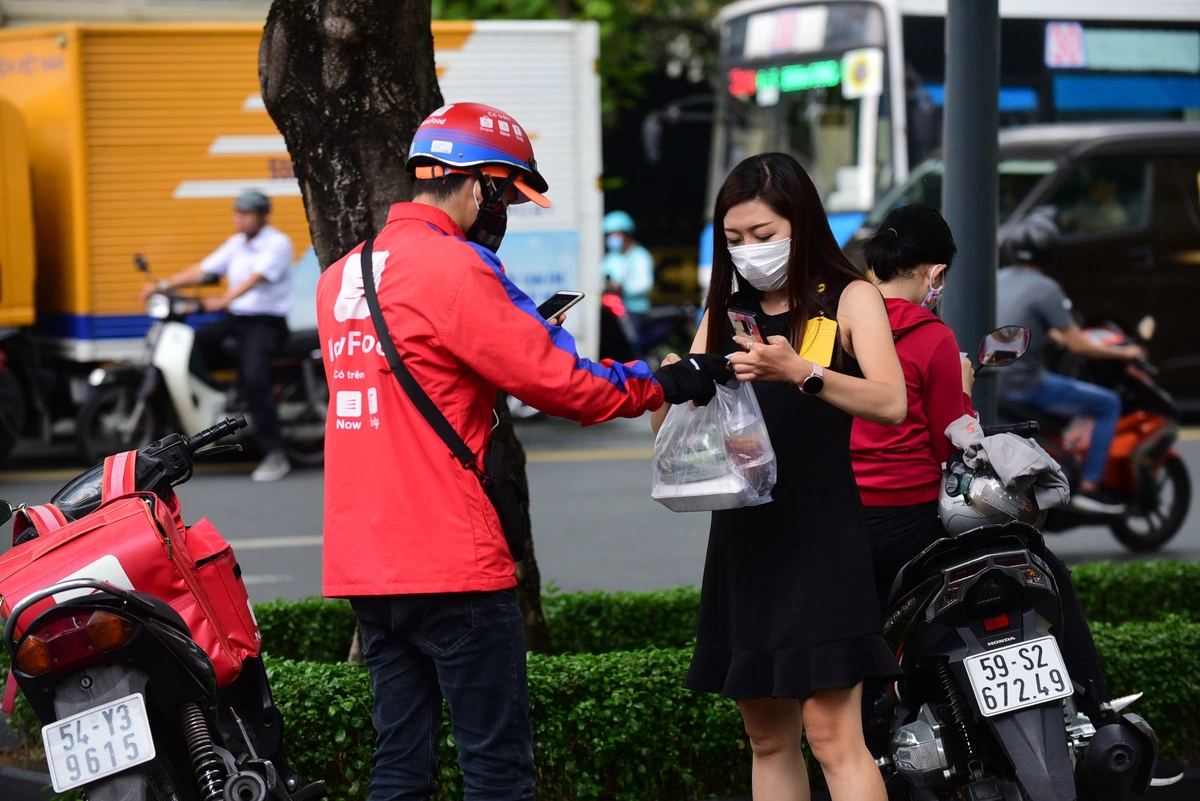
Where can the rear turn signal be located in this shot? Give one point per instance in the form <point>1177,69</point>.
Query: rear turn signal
<point>33,657</point>
<point>109,631</point>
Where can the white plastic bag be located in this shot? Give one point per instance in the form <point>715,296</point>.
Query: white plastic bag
<point>713,457</point>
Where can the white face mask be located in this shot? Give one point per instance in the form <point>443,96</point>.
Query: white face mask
<point>764,264</point>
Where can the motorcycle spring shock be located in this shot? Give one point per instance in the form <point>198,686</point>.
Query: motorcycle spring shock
<point>209,768</point>
<point>959,709</point>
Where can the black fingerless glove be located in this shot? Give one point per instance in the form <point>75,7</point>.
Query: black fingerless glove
<point>694,379</point>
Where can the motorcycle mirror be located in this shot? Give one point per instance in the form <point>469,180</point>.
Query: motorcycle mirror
<point>6,512</point>
<point>1004,346</point>
<point>1146,328</point>
<point>141,263</point>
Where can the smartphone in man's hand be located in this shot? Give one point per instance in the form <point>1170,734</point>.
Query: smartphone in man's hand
<point>558,303</point>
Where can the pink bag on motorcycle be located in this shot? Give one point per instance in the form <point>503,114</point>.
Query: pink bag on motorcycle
<point>138,542</point>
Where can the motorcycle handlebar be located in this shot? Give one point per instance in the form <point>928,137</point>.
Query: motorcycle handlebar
<point>210,435</point>
<point>1026,429</point>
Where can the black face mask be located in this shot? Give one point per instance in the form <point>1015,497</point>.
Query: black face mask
<point>492,220</point>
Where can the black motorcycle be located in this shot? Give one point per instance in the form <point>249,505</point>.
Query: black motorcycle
<point>986,709</point>
<point>129,699</point>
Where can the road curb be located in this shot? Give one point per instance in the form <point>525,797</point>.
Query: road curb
<point>25,785</point>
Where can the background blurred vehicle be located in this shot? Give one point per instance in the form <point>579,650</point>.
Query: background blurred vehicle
<point>854,90</point>
<point>1145,471</point>
<point>1127,197</point>
<point>141,134</point>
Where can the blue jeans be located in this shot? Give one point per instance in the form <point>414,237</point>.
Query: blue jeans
<point>1068,397</point>
<point>470,649</point>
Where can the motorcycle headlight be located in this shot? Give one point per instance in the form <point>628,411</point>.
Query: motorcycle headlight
<point>158,307</point>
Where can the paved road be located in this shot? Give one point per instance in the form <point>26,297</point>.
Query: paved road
<point>595,525</point>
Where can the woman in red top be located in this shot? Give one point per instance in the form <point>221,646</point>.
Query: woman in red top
<point>899,467</point>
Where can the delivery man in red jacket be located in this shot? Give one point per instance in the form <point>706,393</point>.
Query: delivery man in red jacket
<point>410,536</point>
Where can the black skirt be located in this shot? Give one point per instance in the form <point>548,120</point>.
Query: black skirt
<point>788,603</point>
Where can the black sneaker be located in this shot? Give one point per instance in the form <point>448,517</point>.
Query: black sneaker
<point>1098,502</point>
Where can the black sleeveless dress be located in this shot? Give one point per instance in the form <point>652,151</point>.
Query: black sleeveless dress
<point>788,601</point>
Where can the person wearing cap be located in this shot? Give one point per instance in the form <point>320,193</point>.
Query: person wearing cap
<point>410,537</point>
<point>628,267</point>
<point>256,263</point>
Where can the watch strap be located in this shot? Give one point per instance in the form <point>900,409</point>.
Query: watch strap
<point>814,382</point>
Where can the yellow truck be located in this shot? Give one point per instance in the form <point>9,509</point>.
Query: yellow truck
<point>136,140</point>
<point>140,135</point>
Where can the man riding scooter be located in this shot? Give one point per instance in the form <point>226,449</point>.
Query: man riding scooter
<point>257,265</point>
<point>1026,296</point>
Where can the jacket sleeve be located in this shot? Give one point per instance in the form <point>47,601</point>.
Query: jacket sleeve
<point>494,329</point>
<point>943,396</point>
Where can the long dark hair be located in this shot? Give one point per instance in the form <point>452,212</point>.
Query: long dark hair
<point>778,180</point>
<point>907,238</point>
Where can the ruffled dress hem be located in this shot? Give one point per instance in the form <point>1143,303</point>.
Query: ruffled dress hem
<point>790,672</point>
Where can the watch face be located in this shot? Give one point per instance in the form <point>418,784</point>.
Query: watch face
<point>813,384</point>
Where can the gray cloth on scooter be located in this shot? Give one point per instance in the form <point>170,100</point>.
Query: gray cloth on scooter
<point>1018,462</point>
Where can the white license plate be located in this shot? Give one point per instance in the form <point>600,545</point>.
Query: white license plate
<point>1018,676</point>
<point>99,742</point>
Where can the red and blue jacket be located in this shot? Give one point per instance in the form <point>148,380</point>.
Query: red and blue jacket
<point>401,514</point>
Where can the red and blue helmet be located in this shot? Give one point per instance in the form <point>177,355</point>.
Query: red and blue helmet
<point>465,137</point>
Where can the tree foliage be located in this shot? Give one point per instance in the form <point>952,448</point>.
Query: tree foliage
<point>637,37</point>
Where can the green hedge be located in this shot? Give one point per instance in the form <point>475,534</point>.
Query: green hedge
<point>1119,593</point>
<point>1160,659</point>
<point>615,725</point>
<point>598,622</point>
<point>621,726</point>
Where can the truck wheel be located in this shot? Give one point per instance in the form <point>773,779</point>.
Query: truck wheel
<point>14,411</point>
<point>304,435</point>
<point>1149,529</point>
<point>107,425</point>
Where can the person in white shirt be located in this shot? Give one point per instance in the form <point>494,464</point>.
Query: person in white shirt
<point>256,263</point>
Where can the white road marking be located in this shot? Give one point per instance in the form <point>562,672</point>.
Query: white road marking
<point>266,578</point>
<point>272,543</point>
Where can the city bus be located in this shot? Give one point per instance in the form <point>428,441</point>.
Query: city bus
<point>854,90</point>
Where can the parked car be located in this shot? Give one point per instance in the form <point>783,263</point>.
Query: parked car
<point>1128,203</point>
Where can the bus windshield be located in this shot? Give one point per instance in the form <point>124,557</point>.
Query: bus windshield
<point>1017,177</point>
<point>809,79</point>
<point>821,129</point>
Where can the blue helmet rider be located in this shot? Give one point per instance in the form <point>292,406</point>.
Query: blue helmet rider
<point>628,267</point>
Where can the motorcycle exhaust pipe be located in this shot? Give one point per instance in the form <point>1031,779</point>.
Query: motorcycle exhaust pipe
<point>1111,764</point>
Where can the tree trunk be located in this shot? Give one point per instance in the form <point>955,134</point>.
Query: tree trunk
<point>347,82</point>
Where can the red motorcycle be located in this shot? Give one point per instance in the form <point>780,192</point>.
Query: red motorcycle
<point>1144,468</point>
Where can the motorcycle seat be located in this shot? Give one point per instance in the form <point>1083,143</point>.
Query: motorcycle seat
<point>164,612</point>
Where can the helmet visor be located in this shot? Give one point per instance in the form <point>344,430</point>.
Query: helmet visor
<point>525,192</point>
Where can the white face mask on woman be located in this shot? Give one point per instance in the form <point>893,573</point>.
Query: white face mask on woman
<point>763,264</point>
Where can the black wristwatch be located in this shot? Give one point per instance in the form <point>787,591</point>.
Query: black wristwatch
<point>815,382</point>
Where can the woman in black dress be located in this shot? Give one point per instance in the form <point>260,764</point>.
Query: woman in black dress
<point>789,625</point>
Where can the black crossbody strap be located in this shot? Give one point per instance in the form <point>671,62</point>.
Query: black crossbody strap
<point>425,405</point>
